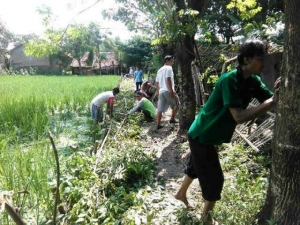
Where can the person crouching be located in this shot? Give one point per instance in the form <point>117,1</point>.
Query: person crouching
<point>145,106</point>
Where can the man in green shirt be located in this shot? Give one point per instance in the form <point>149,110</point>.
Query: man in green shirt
<point>145,106</point>
<point>216,122</point>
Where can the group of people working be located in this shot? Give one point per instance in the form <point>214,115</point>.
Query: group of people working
<point>216,121</point>
<point>165,90</point>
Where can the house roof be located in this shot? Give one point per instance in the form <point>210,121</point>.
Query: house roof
<point>13,47</point>
<point>108,60</point>
<point>83,60</point>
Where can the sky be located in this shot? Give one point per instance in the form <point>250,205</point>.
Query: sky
<point>21,16</point>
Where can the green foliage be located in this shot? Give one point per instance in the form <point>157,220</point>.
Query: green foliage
<point>210,76</point>
<point>22,71</point>
<point>6,38</point>
<point>245,186</point>
<point>27,168</point>
<point>105,195</point>
<point>72,43</point>
<point>246,8</point>
<point>137,52</point>
<point>236,20</point>
<point>163,21</point>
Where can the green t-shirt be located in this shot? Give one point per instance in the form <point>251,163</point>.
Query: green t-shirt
<point>214,123</point>
<point>146,105</point>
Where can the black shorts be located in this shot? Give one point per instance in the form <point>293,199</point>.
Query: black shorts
<point>204,164</point>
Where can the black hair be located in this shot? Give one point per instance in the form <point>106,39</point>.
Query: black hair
<point>168,58</point>
<point>251,48</point>
<point>116,90</point>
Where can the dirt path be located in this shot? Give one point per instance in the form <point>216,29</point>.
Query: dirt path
<point>172,153</point>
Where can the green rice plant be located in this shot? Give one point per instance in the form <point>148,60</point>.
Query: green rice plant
<point>27,109</point>
<point>27,101</point>
<point>29,169</point>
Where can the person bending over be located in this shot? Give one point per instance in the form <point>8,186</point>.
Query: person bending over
<point>96,105</point>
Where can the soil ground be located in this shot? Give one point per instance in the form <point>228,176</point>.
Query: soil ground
<point>171,155</point>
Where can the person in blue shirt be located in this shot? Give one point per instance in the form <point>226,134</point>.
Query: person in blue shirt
<point>138,77</point>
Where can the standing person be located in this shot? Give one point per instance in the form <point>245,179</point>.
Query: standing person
<point>138,77</point>
<point>165,90</point>
<point>135,74</point>
<point>216,122</point>
<point>130,72</point>
<point>96,106</point>
<point>145,106</point>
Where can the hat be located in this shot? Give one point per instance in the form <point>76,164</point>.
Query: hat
<point>138,93</point>
<point>168,57</point>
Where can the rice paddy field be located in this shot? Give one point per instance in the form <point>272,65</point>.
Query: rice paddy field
<point>31,106</point>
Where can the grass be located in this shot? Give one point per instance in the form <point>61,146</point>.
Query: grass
<point>30,105</point>
<point>27,101</point>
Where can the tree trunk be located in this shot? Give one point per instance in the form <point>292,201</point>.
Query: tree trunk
<point>185,56</point>
<point>283,196</point>
<point>80,68</point>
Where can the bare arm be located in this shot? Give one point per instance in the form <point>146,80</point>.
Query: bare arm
<point>110,107</point>
<point>157,89</point>
<point>243,115</point>
<point>170,88</point>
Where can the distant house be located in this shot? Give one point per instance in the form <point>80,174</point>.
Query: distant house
<point>107,65</point>
<point>19,60</point>
<point>85,68</point>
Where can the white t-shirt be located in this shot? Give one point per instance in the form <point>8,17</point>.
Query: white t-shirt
<point>162,74</point>
<point>101,98</point>
<point>131,71</point>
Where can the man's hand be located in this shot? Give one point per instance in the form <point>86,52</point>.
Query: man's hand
<point>173,94</point>
<point>277,83</point>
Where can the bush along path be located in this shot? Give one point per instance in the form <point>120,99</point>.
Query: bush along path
<point>135,172</point>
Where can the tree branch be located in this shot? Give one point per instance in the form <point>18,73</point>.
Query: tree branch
<point>57,197</point>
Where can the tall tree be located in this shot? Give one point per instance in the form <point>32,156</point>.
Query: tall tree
<point>6,37</point>
<point>137,51</point>
<point>79,40</point>
<point>74,41</point>
<point>283,196</point>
